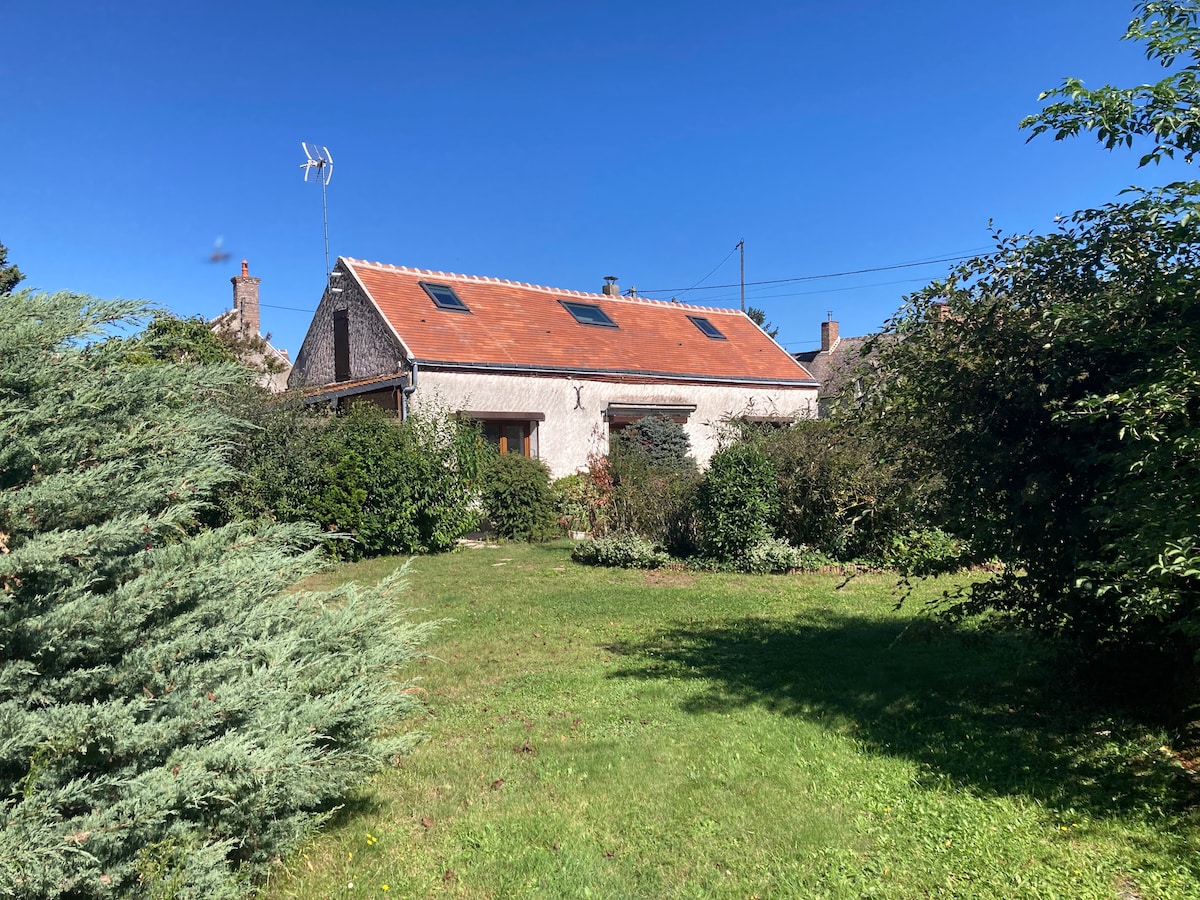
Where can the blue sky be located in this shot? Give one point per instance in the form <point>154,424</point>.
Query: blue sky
<point>553,143</point>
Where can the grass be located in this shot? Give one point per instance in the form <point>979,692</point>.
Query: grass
<point>604,733</point>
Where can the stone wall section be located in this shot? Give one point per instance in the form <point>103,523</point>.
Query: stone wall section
<point>373,347</point>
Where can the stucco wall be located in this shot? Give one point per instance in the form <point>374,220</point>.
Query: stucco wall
<point>575,425</point>
<point>373,348</point>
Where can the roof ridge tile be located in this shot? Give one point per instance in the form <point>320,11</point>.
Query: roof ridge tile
<point>570,292</point>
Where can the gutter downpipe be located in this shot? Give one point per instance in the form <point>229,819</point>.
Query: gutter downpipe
<point>407,391</point>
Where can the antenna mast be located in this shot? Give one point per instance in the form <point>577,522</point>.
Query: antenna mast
<point>742,246</point>
<point>319,165</point>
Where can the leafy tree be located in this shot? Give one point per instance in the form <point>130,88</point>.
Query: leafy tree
<point>10,275</point>
<point>1167,112</point>
<point>168,338</point>
<point>1059,398</point>
<point>1056,385</point>
<point>172,718</point>
<point>759,318</point>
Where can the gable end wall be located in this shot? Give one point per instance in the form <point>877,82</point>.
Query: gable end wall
<point>373,348</point>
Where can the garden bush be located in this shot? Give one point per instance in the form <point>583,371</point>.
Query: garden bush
<point>625,551</point>
<point>737,501</point>
<point>1055,381</point>
<point>925,551</point>
<point>655,502</point>
<point>777,555</point>
<point>768,557</point>
<point>580,503</point>
<point>839,489</point>
<point>393,487</point>
<point>518,500</point>
<point>172,720</point>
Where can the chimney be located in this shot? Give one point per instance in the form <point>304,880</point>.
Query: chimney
<point>245,301</point>
<point>829,335</point>
<point>611,288</point>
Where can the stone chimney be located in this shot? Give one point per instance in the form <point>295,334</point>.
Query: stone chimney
<point>829,335</point>
<point>611,288</point>
<point>245,301</point>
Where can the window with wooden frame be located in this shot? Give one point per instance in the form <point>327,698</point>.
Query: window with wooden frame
<point>509,437</point>
<point>509,432</point>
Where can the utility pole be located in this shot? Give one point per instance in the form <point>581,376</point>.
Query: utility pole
<point>742,247</point>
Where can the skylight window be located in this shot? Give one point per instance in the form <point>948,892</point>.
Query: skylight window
<point>444,297</point>
<point>588,314</point>
<point>707,327</point>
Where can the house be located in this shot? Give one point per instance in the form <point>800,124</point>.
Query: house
<point>241,326</point>
<point>834,365</point>
<point>549,373</point>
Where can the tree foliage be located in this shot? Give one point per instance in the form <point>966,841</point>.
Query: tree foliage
<point>171,718</point>
<point>1167,113</point>
<point>759,318</point>
<point>1056,385</point>
<point>168,338</point>
<point>1059,396</point>
<point>10,275</point>
<point>841,490</point>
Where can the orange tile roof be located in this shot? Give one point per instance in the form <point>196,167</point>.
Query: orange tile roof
<point>524,326</point>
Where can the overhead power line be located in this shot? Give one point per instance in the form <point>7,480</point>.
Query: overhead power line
<point>292,308</point>
<point>908,265</point>
<point>717,266</point>
<point>837,290</point>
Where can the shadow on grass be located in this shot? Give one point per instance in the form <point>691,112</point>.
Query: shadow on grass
<point>978,712</point>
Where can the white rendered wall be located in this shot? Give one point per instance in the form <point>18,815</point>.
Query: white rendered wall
<point>575,425</point>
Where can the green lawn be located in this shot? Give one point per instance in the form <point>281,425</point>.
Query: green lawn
<point>603,733</point>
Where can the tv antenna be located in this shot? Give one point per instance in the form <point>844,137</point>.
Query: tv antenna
<point>318,167</point>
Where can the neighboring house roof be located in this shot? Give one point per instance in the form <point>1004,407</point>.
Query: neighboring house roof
<point>837,364</point>
<point>827,365</point>
<point>517,326</point>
